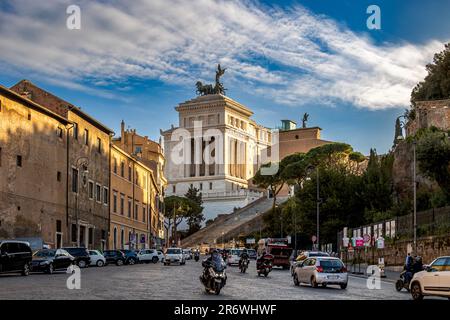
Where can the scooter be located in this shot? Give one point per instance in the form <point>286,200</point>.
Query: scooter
<point>264,265</point>
<point>243,265</point>
<point>402,283</point>
<point>196,256</point>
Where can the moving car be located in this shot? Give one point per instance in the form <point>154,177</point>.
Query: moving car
<point>187,254</point>
<point>114,256</point>
<point>150,255</point>
<point>81,255</point>
<point>131,257</point>
<point>323,271</point>
<point>302,257</point>
<point>233,256</point>
<point>174,255</point>
<point>15,256</point>
<point>50,260</point>
<point>97,258</point>
<point>434,281</point>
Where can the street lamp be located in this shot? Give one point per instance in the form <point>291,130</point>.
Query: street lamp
<point>318,201</point>
<point>81,162</point>
<point>415,196</point>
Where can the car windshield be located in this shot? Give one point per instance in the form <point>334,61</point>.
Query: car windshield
<point>319,254</point>
<point>173,251</point>
<point>45,253</point>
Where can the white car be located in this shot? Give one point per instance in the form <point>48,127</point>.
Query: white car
<point>187,254</point>
<point>321,270</point>
<point>150,255</point>
<point>434,281</point>
<point>97,258</point>
<point>234,256</point>
<point>174,255</point>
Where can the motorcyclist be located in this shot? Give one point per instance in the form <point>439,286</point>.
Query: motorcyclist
<point>216,260</point>
<point>244,256</point>
<point>409,270</point>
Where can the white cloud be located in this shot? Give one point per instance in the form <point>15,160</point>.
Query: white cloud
<point>179,42</point>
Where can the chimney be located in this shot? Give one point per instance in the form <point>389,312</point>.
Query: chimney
<point>122,132</point>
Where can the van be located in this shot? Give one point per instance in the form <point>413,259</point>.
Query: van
<point>15,256</point>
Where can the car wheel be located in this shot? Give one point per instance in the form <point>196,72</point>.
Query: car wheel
<point>119,262</point>
<point>26,269</point>
<point>344,286</point>
<point>155,259</point>
<point>131,261</point>
<point>399,285</point>
<point>82,264</point>
<point>100,263</point>
<point>416,292</point>
<point>314,283</point>
<point>50,269</point>
<point>296,282</point>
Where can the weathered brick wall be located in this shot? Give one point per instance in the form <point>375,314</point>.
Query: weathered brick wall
<point>430,113</point>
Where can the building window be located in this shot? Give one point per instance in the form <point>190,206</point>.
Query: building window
<point>201,186</point>
<point>122,204</point>
<point>210,185</point>
<point>122,169</point>
<point>19,161</point>
<point>74,180</point>
<point>75,131</point>
<point>115,165</point>
<point>59,132</point>
<point>130,172</point>
<point>136,211</point>
<point>98,193</point>
<point>143,212</point>
<point>174,189</point>
<point>105,195</point>
<point>99,145</point>
<point>29,116</point>
<point>86,137</point>
<point>58,176</point>
<point>115,202</point>
<point>91,190</point>
<point>129,207</point>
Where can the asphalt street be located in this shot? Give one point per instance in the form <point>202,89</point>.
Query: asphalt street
<point>156,281</point>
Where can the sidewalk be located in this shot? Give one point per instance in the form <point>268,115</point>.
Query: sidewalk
<point>392,273</point>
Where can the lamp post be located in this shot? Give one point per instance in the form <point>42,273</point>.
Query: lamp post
<point>415,197</point>
<point>81,162</point>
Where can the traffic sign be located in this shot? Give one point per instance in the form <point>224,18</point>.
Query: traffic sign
<point>313,238</point>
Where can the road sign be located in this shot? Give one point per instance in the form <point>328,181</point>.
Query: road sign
<point>313,238</point>
<point>366,238</point>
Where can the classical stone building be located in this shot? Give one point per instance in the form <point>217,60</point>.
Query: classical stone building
<point>33,169</point>
<point>429,113</point>
<point>88,173</point>
<point>133,202</point>
<point>149,153</point>
<point>222,129</point>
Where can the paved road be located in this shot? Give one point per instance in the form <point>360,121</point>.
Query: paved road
<point>156,281</point>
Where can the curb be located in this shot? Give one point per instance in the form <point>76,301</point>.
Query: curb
<point>365,277</point>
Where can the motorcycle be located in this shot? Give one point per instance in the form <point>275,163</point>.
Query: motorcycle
<point>403,282</point>
<point>196,256</point>
<point>264,265</point>
<point>243,265</point>
<point>213,280</point>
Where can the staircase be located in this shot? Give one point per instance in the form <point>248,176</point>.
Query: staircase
<point>226,223</point>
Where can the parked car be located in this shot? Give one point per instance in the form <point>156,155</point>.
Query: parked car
<point>81,255</point>
<point>131,257</point>
<point>434,281</point>
<point>15,256</point>
<point>323,271</point>
<point>174,255</point>
<point>252,254</point>
<point>233,256</point>
<point>150,255</point>
<point>187,254</point>
<point>114,256</point>
<point>50,260</point>
<point>303,256</point>
<point>97,258</point>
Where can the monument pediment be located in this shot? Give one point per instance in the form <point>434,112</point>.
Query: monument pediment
<point>212,101</point>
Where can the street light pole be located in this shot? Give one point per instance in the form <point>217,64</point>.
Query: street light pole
<point>318,207</point>
<point>79,164</point>
<point>415,197</point>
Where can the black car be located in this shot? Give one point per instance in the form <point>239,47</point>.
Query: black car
<point>114,256</point>
<point>15,256</point>
<point>131,256</point>
<point>49,260</point>
<point>81,255</point>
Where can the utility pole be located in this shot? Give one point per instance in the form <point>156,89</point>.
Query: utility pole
<point>415,197</point>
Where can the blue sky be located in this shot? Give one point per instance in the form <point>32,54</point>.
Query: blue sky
<point>137,60</point>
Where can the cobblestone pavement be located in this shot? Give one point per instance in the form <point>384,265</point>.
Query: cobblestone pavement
<point>156,281</point>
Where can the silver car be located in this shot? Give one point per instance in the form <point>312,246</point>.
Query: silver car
<point>323,271</point>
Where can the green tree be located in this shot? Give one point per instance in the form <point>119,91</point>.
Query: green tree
<point>273,182</point>
<point>194,215</point>
<point>436,84</point>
